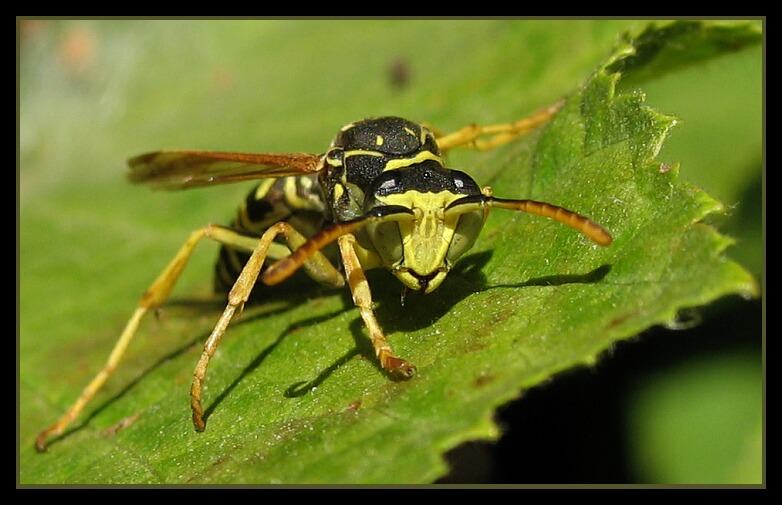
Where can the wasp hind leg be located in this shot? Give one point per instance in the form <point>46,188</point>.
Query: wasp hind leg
<point>153,297</point>
<point>484,138</point>
<point>159,291</point>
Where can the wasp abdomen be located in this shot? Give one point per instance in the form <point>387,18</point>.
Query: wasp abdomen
<point>295,200</point>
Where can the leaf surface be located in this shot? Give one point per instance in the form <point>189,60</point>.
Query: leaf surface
<point>294,394</point>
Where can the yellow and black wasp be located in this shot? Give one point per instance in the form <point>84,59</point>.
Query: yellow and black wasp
<point>381,192</point>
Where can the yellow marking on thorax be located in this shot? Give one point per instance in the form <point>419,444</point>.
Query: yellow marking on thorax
<point>361,152</point>
<point>406,162</point>
<point>339,189</point>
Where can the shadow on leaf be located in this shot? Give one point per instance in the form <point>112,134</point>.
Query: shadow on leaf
<point>314,321</point>
<point>188,306</point>
<point>396,314</point>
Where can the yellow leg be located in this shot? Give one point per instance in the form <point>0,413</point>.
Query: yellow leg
<point>354,273</point>
<point>111,364</point>
<point>152,298</point>
<point>317,266</point>
<point>498,134</point>
<point>158,293</point>
<point>362,297</point>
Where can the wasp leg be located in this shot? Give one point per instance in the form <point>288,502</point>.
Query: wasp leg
<point>355,259</point>
<point>158,292</point>
<point>362,297</point>
<point>497,134</point>
<point>317,265</point>
<point>152,298</point>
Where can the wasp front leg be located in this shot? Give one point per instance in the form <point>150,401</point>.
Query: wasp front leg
<point>362,297</point>
<point>359,286</point>
<point>498,134</point>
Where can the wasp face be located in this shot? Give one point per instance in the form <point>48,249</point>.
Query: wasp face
<point>421,248</point>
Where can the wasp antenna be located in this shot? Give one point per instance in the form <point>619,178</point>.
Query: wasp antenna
<point>591,229</point>
<point>284,267</point>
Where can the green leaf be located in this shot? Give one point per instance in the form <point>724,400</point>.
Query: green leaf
<point>661,49</point>
<point>293,394</point>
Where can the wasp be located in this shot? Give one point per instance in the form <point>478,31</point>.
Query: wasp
<point>381,193</point>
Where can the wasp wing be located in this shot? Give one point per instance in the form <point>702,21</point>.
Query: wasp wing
<point>189,169</point>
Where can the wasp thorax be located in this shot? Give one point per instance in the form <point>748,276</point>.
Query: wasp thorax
<point>363,151</point>
<point>394,136</point>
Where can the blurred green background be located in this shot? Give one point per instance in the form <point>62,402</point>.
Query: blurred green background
<point>672,406</point>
